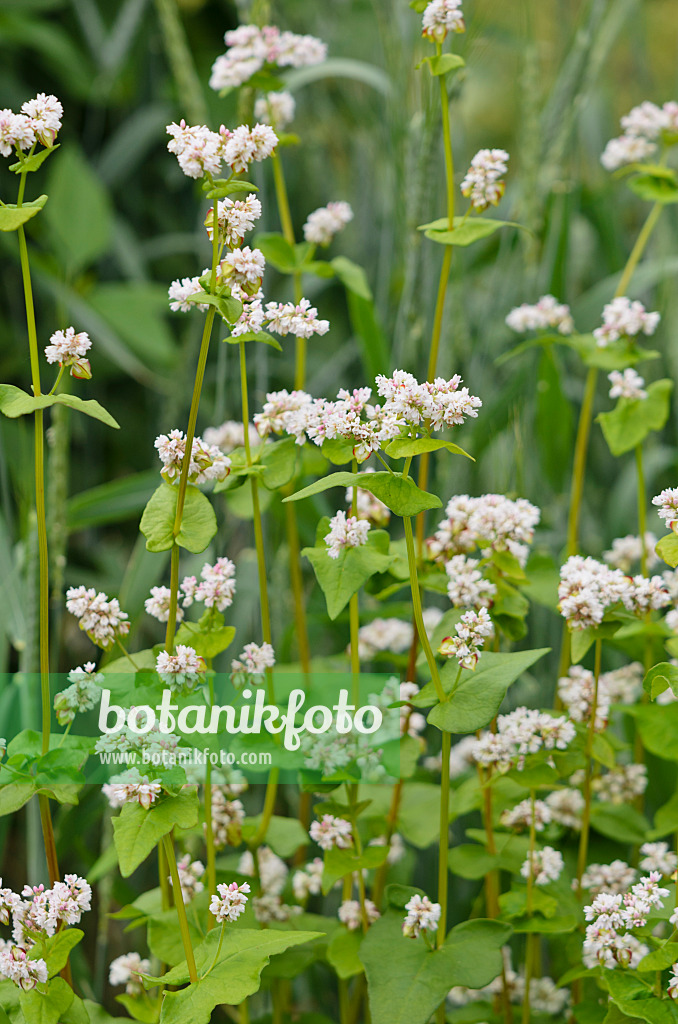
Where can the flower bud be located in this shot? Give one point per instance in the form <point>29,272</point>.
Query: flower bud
<point>81,369</point>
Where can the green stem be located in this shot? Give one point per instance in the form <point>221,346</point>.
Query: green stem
<point>529,952</point>
<point>418,614</point>
<point>168,846</point>
<point>638,249</point>
<point>579,467</point>
<point>444,836</point>
<point>586,817</point>
<point>209,830</point>
<point>642,522</point>
<point>163,878</point>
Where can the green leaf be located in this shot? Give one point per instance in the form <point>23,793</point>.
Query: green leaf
<point>164,938</point>
<point>667,548</point>
<point>471,861</point>
<point>660,678</point>
<point>260,336</point>
<point>234,977</point>
<point>14,795</point>
<point>279,460</point>
<point>337,450</point>
<point>405,447</point>
<point>277,251</point>
<point>15,402</point>
<point>343,953</point>
<point>637,1000</point>
<point>479,695</point>
<point>400,494</point>
<point>616,356</point>
<point>407,981</point>
<point>48,1007</point>
<point>207,643</point>
<point>620,822</point>
<point>79,215</point>
<point>198,524</point>
<point>339,863</point>
<point>57,949</point>
<point>352,276</point>
<point>283,835</point>
<point>223,187</point>
<point>12,217</point>
<point>660,959</point>
<point>340,578</point>
<point>655,188</point>
<point>629,423</point>
<point>32,163</point>
<point>443,63</point>
<point>466,230</point>
<point>137,831</point>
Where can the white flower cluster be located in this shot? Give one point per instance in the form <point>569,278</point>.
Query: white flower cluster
<point>491,522</point>
<point>609,878</point>
<point>626,384</point>
<point>613,916</point>
<point>308,881</point>
<point>566,807</point>
<point>299,319</point>
<point>216,586</point>
<point>482,183</point>
<point>643,126</point>
<point>227,818</point>
<point>40,119</point>
<point>621,784</point>
<point>275,108</point>
<point>345,532</point>
<point>270,869</point>
<point>408,404</point>
<point>190,875</point>
<point>412,723</point>
<point>69,349</point>
<point>544,866</point>
<point>523,814</point>
<point>330,832</point>
<point>466,586</point>
<point>102,619</point>
<point>576,690</point>
<point>132,787</point>
<point>200,151</point>
<point>158,604</point>
<point>82,695</point>
<point>127,970</point>
<point>230,902</point>
<point>253,662</point>
<point>422,916</point>
<point>545,996</point>
<point>623,318</point>
<point>519,733</point>
<point>230,435</point>
<point>667,503</point>
<point>249,48</point>
<point>658,857</point>
<point>546,313</point>
<point>466,645</point>
<point>180,671</point>
<point>588,588</point>
<point>441,17</point>
<point>324,223</point>
<point>208,463</point>
<point>235,217</point>
<point>350,914</point>
<point>37,914</point>
<point>626,551</point>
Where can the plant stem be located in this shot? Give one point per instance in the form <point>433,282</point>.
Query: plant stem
<point>530,950</point>
<point>492,877</point>
<point>209,831</point>
<point>168,846</point>
<point>586,817</point>
<point>418,614</point>
<point>444,836</point>
<point>163,878</point>
<point>642,523</point>
<point>391,819</point>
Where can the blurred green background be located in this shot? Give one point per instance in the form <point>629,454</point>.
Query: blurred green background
<point>545,79</point>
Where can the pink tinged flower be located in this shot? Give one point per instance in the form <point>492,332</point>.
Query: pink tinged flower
<point>244,146</point>
<point>245,267</point>
<point>234,218</point>
<point>441,17</point>
<point>422,915</point>
<point>275,108</point>
<point>472,630</point>
<point>545,866</point>
<point>667,502</point>
<point>216,587</point>
<point>127,970</point>
<point>208,462</point>
<point>102,619</point>
<point>158,604</point>
<point>626,149</point>
<point>350,914</point>
<point>181,670</point>
<point>17,131</point>
<point>330,832</point>
<point>345,532</point>
<point>546,313</point>
<point>482,184</point>
<point>623,318</point>
<point>181,291</point>
<point>45,112</point>
<point>323,224</point>
<point>24,972</point>
<point>198,150</point>
<point>253,662</point>
<point>68,349</point>
<point>230,902</point>
<point>300,320</point>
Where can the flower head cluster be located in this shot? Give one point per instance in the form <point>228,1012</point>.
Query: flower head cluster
<point>623,318</point>
<point>190,875</point>
<point>270,869</point>
<point>249,48</point>
<point>546,313</point>
<point>588,588</point>
<point>466,586</point>
<point>658,857</point>
<point>577,689</point>
<point>544,866</point>
<point>181,293</point>
<point>627,550</point>
<point>198,150</point>
<point>41,912</point>
<point>275,108</point>
<point>482,184</point>
<point>491,522</point>
<point>102,619</point>
<point>180,671</point>
<point>643,126</point>
<point>244,268</point>
<point>628,384</point>
<point>612,916</point>
<point>667,503</point>
<point>158,604</point>
<point>471,631</point>
<point>207,463</point>
<point>248,145</point>
<point>69,349</point>
<point>307,881</point>
<point>40,119</point>
<point>82,695</point>
<point>609,878</point>
<point>227,818</point>
<point>566,807</point>
<point>527,813</point>
<point>422,916</point>
<point>441,17</point>
<point>345,532</point>
<point>442,402</point>
<point>25,972</point>
<point>323,224</point>
<point>350,914</point>
<point>127,970</point>
<point>230,435</point>
<point>330,832</point>
<point>621,784</point>
<point>216,586</point>
<point>235,217</point>
<point>230,902</point>
<point>522,732</point>
<point>132,787</point>
<point>253,662</point>
<point>299,319</point>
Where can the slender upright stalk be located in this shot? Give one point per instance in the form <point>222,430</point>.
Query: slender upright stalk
<point>444,836</point>
<point>642,521</point>
<point>531,937</point>
<point>209,830</point>
<point>418,613</point>
<point>492,877</point>
<point>168,846</point>
<point>586,817</point>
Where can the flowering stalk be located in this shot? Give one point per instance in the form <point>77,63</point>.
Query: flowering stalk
<point>532,938</point>
<point>168,846</point>
<point>586,817</point>
<point>642,522</point>
<point>492,877</point>
<point>209,830</point>
<point>354,613</point>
